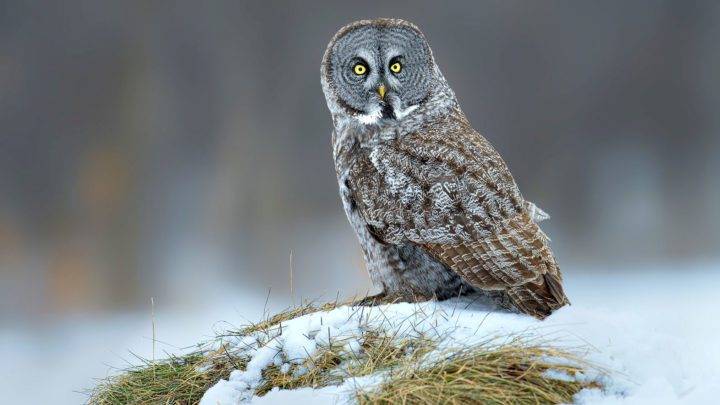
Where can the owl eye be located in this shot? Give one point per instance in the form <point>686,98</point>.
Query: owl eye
<point>360,69</point>
<point>396,67</point>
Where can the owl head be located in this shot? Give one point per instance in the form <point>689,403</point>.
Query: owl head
<point>379,71</point>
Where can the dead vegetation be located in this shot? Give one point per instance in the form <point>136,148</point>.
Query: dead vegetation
<point>514,372</point>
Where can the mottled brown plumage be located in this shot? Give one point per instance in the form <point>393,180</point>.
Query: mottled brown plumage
<point>434,205</point>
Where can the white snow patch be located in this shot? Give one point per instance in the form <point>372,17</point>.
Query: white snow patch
<point>322,396</point>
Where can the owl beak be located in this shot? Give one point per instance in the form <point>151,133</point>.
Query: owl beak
<point>381,92</point>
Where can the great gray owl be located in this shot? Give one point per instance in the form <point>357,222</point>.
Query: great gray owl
<point>434,206</point>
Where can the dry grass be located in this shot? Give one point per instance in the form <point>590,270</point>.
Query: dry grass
<point>508,374</point>
<point>181,380</point>
<point>488,373</point>
<point>176,380</point>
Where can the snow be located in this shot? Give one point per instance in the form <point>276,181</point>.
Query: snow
<point>655,326</point>
<point>302,395</point>
<point>66,356</point>
<point>653,334</point>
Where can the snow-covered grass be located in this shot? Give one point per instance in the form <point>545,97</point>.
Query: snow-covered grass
<point>653,325</point>
<point>652,330</point>
<point>416,353</point>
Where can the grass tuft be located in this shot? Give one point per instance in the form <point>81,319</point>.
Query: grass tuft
<point>182,380</point>
<point>508,374</point>
<point>176,380</point>
<point>415,372</point>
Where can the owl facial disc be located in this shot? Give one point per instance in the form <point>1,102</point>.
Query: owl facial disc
<point>377,71</point>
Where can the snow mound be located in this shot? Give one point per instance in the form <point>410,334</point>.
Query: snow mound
<point>656,350</point>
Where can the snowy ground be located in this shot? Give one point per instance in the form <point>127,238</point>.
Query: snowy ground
<point>65,356</point>
<point>655,327</point>
<point>654,336</point>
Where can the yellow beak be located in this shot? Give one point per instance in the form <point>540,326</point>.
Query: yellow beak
<point>381,91</point>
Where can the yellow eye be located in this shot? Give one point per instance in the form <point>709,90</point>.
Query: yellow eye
<point>360,69</point>
<point>395,67</point>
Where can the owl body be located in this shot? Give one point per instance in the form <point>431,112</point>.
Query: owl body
<point>436,210</point>
<point>401,270</point>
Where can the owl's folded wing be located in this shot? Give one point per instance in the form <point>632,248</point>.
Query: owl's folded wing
<point>434,189</point>
<point>517,260</point>
<point>454,197</point>
<point>515,255</point>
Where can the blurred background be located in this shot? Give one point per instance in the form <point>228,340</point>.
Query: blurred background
<point>181,151</point>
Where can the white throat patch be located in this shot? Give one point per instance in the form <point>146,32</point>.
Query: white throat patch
<point>368,119</point>
<point>373,117</point>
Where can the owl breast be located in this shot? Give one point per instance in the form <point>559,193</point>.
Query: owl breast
<point>397,269</point>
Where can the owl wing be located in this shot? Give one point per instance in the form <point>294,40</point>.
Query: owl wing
<point>517,259</point>
<point>448,191</point>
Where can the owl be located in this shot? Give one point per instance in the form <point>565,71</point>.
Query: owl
<point>434,206</point>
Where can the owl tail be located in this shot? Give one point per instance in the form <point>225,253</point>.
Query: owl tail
<point>539,298</point>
